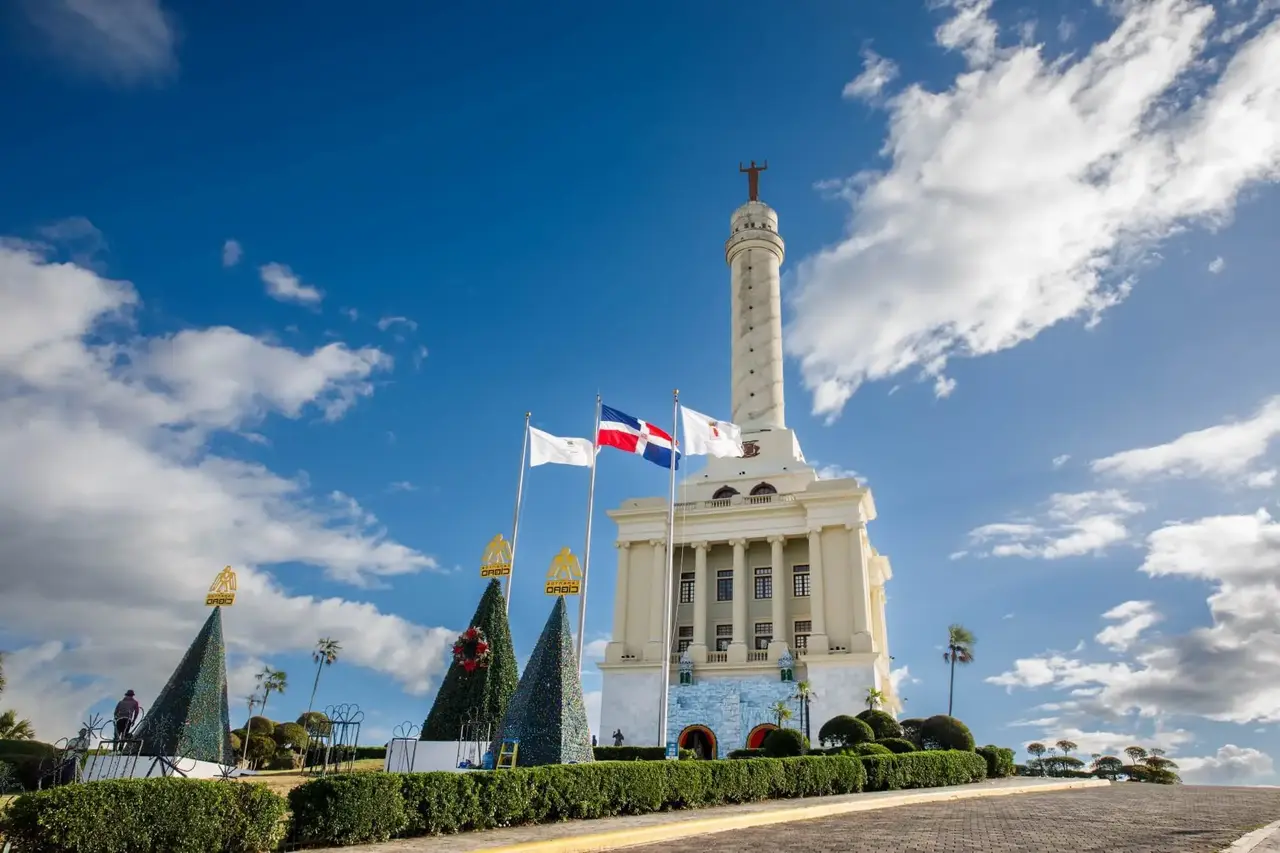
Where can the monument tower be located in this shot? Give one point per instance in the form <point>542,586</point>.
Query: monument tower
<point>775,579</point>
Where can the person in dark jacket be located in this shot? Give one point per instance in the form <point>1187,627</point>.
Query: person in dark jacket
<point>127,711</point>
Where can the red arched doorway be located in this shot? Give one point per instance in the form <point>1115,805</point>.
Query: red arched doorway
<point>755,739</point>
<point>700,739</point>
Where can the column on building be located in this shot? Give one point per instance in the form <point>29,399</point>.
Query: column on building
<point>817,643</point>
<point>779,603</point>
<point>860,584</point>
<point>698,648</point>
<point>618,642</point>
<point>738,648</point>
<point>657,577</point>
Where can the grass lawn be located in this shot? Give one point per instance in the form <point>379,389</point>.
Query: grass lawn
<point>284,781</point>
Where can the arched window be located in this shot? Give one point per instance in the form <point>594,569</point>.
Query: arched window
<point>763,489</point>
<point>724,492</point>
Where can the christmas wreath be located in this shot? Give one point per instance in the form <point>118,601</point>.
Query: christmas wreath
<point>471,650</point>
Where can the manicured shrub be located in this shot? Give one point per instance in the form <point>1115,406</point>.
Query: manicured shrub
<point>747,753</point>
<point>872,749</point>
<point>236,744</point>
<point>882,723</point>
<point>923,770</point>
<point>999,760</point>
<point>784,743</point>
<point>261,748</point>
<point>315,723</point>
<point>261,726</point>
<point>845,730</point>
<point>291,736</point>
<point>164,815</point>
<point>943,732</point>
<point>911,729</point>
<point>637,753</point>
<point>29,759</point>
<point>897,744</point>
<point>354,808</point>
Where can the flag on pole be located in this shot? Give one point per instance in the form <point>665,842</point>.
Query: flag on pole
<point>632,435</point>
<point>545,447</point>
<point>705,436</point>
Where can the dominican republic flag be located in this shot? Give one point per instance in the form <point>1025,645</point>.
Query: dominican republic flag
<point>633,435</point>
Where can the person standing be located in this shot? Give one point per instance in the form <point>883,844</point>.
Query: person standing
<point>127,711</point>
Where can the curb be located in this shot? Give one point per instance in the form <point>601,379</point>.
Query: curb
<point>1248,842</point>
<point>709,826</point>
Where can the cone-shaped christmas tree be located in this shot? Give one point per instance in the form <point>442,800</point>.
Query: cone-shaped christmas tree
<point>548,713</point>
<point>477,687</point>
<point>190,718</point>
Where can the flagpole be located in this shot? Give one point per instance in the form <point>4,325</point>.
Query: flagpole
<point>666,587</point>
<point>586,550</point>
<point>515,523</point>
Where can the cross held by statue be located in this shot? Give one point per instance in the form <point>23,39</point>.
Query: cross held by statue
<point>753,178</point>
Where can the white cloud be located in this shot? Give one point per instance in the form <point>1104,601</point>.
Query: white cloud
<point>837,472</point>
<point>1072,525</point>
<point>122,41</point>
<point>1261,479</point>
<point>594,650</point>
<point>116,512</point>
<point>1130,620</point>
<point>1059,461</point>
<point>402,486</point>
<point>899,676</point>
<point>1027,192</point>
<point>351,314</point>
<point>1230,765</point>
<point>1226,451</point>
<point>1216,265</point>
<point>592,699</point>
<point>284,286</point>
<point>387,322</point>
<point>877,72</point>
<point>231,253</point>
<point>1066,29</point>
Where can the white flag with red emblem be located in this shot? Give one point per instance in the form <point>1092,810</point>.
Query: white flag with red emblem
<point>706,436</point>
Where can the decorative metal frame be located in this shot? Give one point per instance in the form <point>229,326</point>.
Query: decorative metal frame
<point>402,749</point>
<point>331,747</point>
<point>475,737</point>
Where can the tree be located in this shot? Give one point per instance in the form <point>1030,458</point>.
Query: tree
<point>1037,750</point>
<point>804,695</point>
<point>781,712</point>
<point>875,698</point>
<point>325,654</point>
<point>315,723</point>
<point>960,642</point>
<point>1135,753</point>
<point>271,681</point>
<point>11,728</point>
<point>1067,746</point>
<point>1107,767</point>
<point>291,736</point>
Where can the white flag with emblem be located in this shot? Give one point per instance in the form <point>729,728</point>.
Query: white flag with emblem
<point>545,447</point>
<point>706,436</point>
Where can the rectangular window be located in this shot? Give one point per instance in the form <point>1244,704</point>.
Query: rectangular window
<point>724,585</point>
<point>764,583</point>
<point>724,636</point>
<point>684,636</point>
<point>686,587</point>
<point>803,629</point>
<point>764,635</point>
<point>800,581</point>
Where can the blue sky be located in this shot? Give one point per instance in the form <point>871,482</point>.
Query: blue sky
<point>994,262</point>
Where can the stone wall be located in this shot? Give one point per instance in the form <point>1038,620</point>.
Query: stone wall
<point>729,707</point>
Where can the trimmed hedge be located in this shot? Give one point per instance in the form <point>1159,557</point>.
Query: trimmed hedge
<point>845,730</point>
<point>933,769</point>
<point>943,732</point>
<point>637,753</point>
<point>26,757</point>
<point>784,743</point>
<point>872,749</point>
<point>747,753</point>
<point>898,744</point>
<point>164,815</point>
<point>999,760</point>
<point>365,807</point>
<point>882,723</point>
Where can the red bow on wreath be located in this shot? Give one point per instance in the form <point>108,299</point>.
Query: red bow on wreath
<point>471,650</point>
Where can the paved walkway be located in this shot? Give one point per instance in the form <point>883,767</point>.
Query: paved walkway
<point>610,833</point>
<point>1124,818</point>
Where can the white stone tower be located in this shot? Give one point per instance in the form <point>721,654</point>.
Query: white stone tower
<point>775,577</point>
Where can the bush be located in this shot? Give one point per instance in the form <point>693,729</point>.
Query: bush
<point>845,730</point>
<point>872,749</point>
<point>365,807</point>
<point>897,744</point>
<point>784,743</point>
<point>291,736</point>
<point>999,761</point>
<point>315,723</point>
<point>882,723</point>
<point>943,732</point>
<point>164,815</point>
<point>28,758</point>
<point>637,753</point>
<point>236,743</point>
<point>747,753</point>
<point>923,770</point>
<point>261,726</point>
<point>911,729</point>
<point>261,748</point>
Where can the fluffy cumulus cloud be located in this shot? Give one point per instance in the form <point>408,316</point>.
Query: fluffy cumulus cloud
<point>1026,193</point>
<point>1227,451</point>
<point>1230,765</point>
<point>1217,265</point>
<point>1128,621</point>
<point>116,511</point>
<point>124,42</point>
<point>1071,525</point>
<point>284,286</point>
<point>877,72</point>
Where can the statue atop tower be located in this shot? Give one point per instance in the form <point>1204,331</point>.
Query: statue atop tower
<point>753,178</point>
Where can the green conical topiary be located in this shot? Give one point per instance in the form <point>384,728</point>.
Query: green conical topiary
<point>548,713</point>
<point>191,718</point>
<point>486,690</point>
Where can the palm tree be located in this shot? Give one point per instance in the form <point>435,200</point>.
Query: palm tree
<point>325,654</point>
<point>875,698</point>
<point>252,701</point>
<point>804,695</point>
<point>269,680</point>
<point>780,712</point>
<point>11,728</point>
<point>960,642</point>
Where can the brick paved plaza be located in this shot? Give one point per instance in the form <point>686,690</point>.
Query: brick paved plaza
<point>1124,818</point>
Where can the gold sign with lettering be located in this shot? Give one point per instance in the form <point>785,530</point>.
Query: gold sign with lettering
<point>497,558</point>
<point>565,577</point>
<point>223,591</point>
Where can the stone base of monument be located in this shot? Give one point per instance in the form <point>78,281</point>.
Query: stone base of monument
<point>101,767</point>
<point>424,756</point>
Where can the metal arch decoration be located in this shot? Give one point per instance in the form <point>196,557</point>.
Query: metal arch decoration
<point>332,747</point>
<point>496,562</point>
<point>402,750</point>
<point>565,575</point>
<point>222,592</point>
<point>474,739</point>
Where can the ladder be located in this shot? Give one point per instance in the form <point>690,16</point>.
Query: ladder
<point>507,754</point>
